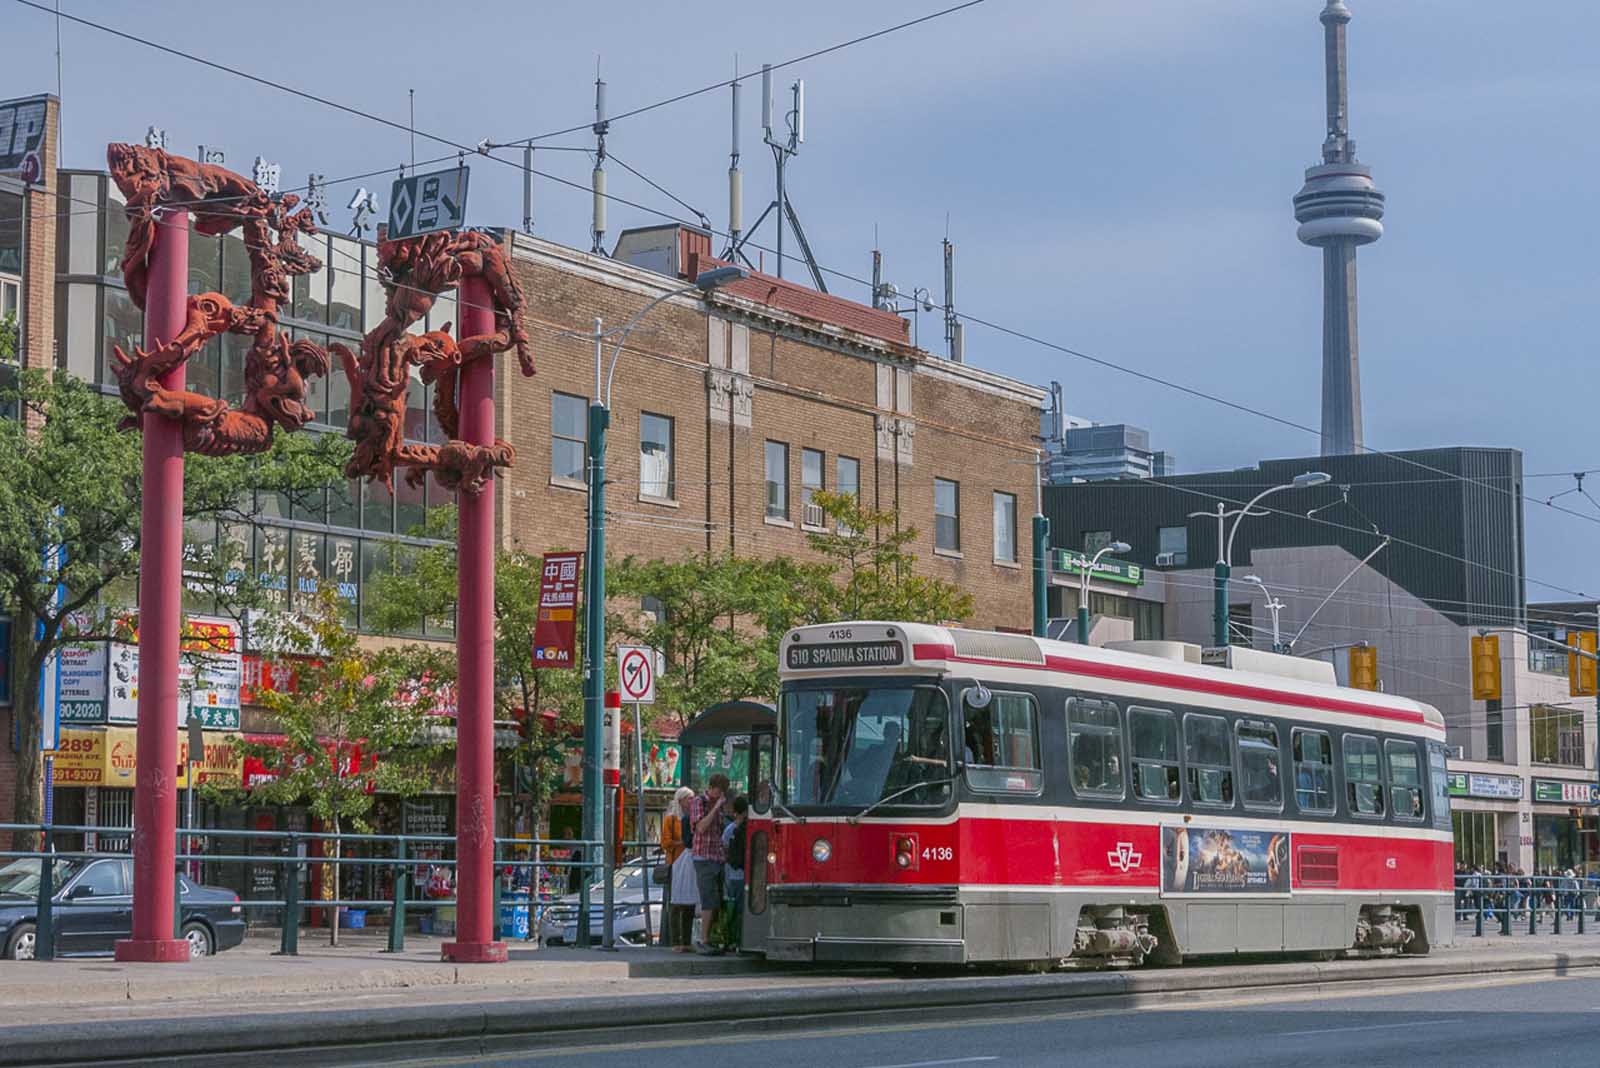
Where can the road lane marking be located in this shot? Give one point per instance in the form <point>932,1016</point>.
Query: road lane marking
<point>933,1064</point>
<point>1364,1027</point>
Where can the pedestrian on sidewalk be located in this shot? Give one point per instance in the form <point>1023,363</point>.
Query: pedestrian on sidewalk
<point>682,893</point>
<point>707,816</point>
<point>734,844</point>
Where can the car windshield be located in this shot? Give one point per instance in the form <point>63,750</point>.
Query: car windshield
<point>856,745</point>
<point>629,877</point>
<point>20,878</point>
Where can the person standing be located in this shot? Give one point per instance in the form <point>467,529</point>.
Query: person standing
<point>681,891</point>
<point>707,818</point>
<point>735,844</point>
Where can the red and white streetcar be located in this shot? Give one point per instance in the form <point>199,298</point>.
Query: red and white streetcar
<point>948,796</point>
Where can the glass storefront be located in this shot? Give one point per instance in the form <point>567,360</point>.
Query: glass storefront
<point>1562,842</point>
<point>1477,838</point>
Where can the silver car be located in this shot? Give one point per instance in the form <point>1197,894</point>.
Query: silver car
<point>558,925</point>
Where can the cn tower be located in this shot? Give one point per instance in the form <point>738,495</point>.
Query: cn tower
<point>1338,210</point>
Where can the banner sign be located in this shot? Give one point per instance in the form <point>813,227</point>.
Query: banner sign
<point>83,683</point>
<point>1562,792</point>
<point>22,133</point>
<point>1074,563</point>
<point>555,634</point>
<point>1479,784</point>
<point>1223,860</point>
<point>122,683</point>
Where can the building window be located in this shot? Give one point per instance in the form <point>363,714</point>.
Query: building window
<point>1477,838</point>
<point>1494,728</point>
<point>655,456</point>
<point>811,480</point>
<point>946,515</point>
<point>1557,736</point>
<point>1172,548</point>
<point>1005,527</point>
<point>777,480</point>
<point>847,477</point>
<point>10,299</point>
<point>569,439</point>
<point>1095,540</point>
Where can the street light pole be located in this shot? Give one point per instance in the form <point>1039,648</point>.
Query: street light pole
<point>1225,548</point>
<point>594,597</point>
<point>1083,587</point>
<point>1274,606</point>
<point>1041,552</point>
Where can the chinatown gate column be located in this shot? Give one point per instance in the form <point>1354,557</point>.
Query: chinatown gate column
<point>475,869</point>
<point>155,795</point>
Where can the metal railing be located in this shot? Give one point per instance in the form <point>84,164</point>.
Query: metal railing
<point>1528,904</point>
<point>401,854</point>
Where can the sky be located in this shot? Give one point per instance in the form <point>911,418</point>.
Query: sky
<point>1116,176</point>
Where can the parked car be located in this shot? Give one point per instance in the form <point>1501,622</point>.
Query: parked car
<point>558,926</point>
<point>94,908</point>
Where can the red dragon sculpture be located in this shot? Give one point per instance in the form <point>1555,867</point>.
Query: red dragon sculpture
<point>276,369</point>
<point>414,271</point>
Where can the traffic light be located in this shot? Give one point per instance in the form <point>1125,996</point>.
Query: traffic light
<point>1581,669</point>
<point>1364,667</point>
<point>1486,668</point>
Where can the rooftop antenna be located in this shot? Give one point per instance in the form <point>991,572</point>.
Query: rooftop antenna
<point>785,144</point>
<point>735,179</point>
<point>954,331</point>
<point>598,178</point>
<point>527,188</point>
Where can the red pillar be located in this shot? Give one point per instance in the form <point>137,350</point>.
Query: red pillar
<point>475,652</point>
<point>155,795</point>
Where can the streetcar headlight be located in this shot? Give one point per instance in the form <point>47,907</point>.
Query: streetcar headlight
<point>821,850</point>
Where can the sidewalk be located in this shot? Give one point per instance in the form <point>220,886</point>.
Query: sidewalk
<point>359,994</point>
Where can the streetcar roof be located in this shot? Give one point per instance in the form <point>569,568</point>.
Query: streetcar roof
<point>931,648</point>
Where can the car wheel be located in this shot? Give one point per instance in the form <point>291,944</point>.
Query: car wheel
<point>20,946</point>
<point>199,939</point>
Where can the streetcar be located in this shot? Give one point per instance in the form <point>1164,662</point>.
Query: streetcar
<point>939,796</point>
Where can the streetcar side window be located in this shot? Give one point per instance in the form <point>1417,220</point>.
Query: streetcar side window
<point>1313,771</point>
<point>1363,780</point>
<point>1261,787</point>
<point>1405,779</point>
<point>1002,744</point>
<point>1210,760</point>
<point>1094,747</point>
<point>1154,733</point>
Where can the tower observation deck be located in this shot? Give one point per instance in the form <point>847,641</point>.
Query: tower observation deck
<point>1339,209</point>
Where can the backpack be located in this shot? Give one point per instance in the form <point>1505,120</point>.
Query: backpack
<point>736,848</point>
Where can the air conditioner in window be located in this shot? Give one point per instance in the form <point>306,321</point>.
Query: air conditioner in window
<point>1456,752</point>
<point>811,515</point>
<point>1171,559</point>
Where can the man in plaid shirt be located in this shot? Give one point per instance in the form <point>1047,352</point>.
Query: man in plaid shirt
<point>707,818</point>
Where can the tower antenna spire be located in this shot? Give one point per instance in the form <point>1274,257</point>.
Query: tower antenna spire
<point>1339,209</point>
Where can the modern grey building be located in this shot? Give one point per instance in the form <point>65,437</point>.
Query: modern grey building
<point>1339,209</point>
<point>1105,451</point>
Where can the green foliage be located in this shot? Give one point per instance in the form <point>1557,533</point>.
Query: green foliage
<point>8,337</point>
<point>70,477</point>
<point>874,571</point>
<point>346,698</point>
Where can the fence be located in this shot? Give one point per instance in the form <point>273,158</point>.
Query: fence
<point>399,853</point>
<point>1519,903</point>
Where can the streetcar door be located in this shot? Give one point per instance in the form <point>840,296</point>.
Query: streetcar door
<point>756,917</point>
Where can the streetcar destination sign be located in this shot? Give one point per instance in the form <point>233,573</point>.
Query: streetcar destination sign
<point>846,655</point>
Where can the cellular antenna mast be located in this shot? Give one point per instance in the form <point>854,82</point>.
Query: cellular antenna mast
<point>785,144</point>
<point>736,180</point>
<point>527,188</point>
<point>598,178</point>
<point>954,329</point>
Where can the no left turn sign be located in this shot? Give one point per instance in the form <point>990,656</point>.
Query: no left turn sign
<point>636,674</point>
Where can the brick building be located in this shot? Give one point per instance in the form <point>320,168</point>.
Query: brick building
<point>728,409</point>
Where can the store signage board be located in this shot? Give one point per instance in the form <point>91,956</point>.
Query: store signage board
<point>423,203</point>
<point>81,683</point>
<point>1068,562</point>
<point>1562,792</point>
<point>22,135</point>
<point>1480,784</point>
<point>636,674</point>
<point>555,632</point>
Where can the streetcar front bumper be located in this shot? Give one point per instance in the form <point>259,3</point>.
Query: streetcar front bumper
<point>894,925</point>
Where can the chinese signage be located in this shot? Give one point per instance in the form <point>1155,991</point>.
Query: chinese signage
<point>1073,563</point>
<point>556,632</point>
<point>1220,860</point>
<point>1562,792</point>
<point>1474,784</point>
<point>210,670</point>
<point>259,674</point>
<point>122,683</point>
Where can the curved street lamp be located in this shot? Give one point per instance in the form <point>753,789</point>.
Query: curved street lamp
<point>1225,538</point>
<point>1273,605</point>
<point>1083,587</point>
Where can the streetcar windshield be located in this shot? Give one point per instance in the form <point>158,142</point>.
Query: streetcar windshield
<point>856,745</point>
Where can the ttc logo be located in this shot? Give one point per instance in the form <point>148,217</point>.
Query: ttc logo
<point>1124,858</point>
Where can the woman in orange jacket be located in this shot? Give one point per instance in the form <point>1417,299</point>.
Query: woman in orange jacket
<point>675,834</point>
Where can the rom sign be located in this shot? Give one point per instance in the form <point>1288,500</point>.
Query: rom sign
<point>423,203</point>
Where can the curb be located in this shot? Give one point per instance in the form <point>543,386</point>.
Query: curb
<point>270,1035</point>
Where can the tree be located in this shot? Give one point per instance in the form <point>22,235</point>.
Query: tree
<point>8,337</point>
<point>356,724</point>
<point>69,478</point>
<point>873,571</point>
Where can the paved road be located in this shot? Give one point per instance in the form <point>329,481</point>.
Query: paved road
<point>1549,1021</point>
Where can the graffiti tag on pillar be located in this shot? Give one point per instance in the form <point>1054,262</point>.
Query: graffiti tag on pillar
<point>277,371</point>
